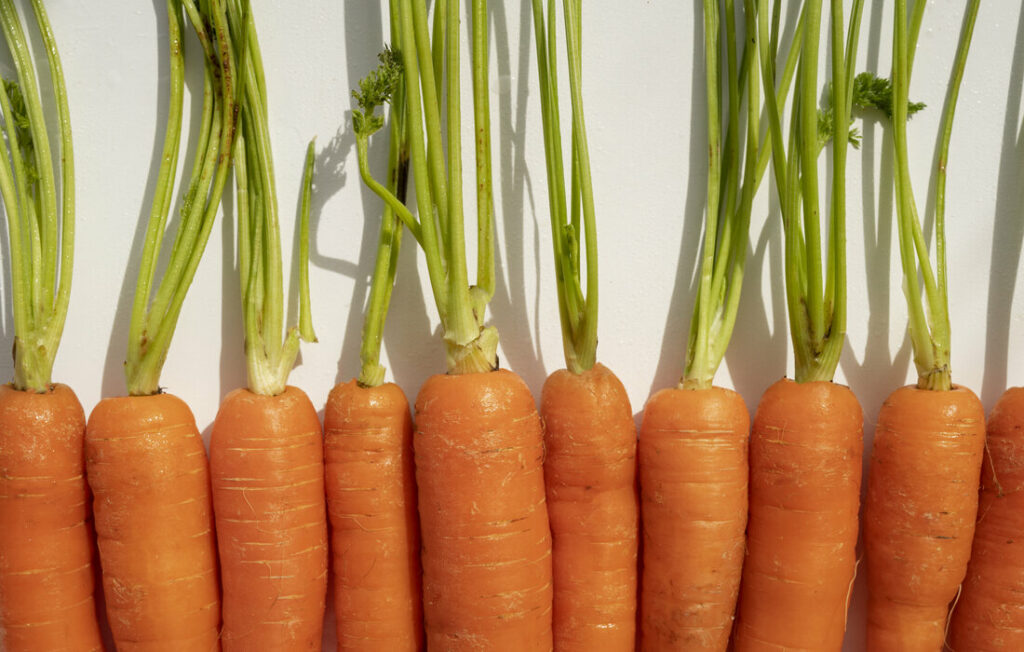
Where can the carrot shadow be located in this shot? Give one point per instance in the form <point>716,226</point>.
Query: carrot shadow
<point>1008,234</point>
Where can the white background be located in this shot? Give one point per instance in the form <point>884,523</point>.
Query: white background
<point>644,94</point>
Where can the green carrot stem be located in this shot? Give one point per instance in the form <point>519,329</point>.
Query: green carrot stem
<point>269,357</point>
<point>389,241</point>
<point>152,327</point>
<point>482,130</point>
<point>41,236</point>
<point>470,346</point>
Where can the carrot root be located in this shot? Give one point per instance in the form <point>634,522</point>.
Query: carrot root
<point>693,489</point>
<point>148,472</point>
<point>590,478</point>
<point>46,539</point>
<point>266,463</point>
<point>806,446</point>
<point>919,518</point>
<point>371,499</point>
<point>486,548</point>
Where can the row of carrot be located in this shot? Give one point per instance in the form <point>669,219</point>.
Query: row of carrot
<point>488,524</point>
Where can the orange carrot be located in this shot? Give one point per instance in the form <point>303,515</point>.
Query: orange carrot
<point>266,462</point>
<point>46,549</point>
<point>266,448</point>
<point>46,546</point>
<point>922,495</point>
<point>590,469</point>
<point>919,518</point>
<point>989,613</point>
<point>371,484</point>
<point>486,547</point>
<point>590,477</point>
<point>151,486</point>
<point>805,466</point>
<point>806,442</point>
<point>693,481</point>
<point>478,444</point>
<point>145,461</point>
<point>371,498</point>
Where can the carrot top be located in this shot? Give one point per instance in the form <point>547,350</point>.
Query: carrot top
<point>733,178</point>
<point>382,86</point>
<point>427,61</point>
<point>577,310</point>
<point>41,235</point>
<point>816,305</point>
<point>268,359</point>
<point>154,316</point>
<point>928,324</point>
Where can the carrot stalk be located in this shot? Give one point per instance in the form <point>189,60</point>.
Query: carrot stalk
<point>486,544</point>
<point>589,434</point>
<point>266,449</point>
<point>145,459</point>
<point>46,537</point>
<point>923,488</point>
<point>371,490</point>
<point>806,438</point>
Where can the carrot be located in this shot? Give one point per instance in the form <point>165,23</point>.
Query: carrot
<point>925,465</point>
<point>154,523</point>
<point>694,437</point>
<point>921,506</point>
<point>590,436</point>
<point>46,539</point>
<point>266,462</point>
<point>46,574</point>
<point>590,477</point>
<point>145,460</point>
<point>486,543</point>
<point>805,466</point>
<point>266,446</point>
<point>371,497</point>
<point>693,480</point>
<point>988,613</point>
<point>371,485</point>
<point>807,437</point>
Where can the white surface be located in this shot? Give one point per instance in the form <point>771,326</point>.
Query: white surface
<point>643,86</point>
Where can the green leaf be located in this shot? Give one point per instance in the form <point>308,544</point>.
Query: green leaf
<point>376,90</point>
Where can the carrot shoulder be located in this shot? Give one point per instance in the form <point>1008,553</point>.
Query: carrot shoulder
<point>486,548</point>
<point>268,491</point>
<point>693,489</point>
<point>919,519</point>
<point>154,524</point>
<point>46,544</point>
<point>371,499</point>
<point>989,614</point>
<point>806,446</point>
<point>590,477</point>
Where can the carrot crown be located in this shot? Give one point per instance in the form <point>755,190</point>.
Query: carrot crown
<point>928,324</point>
<point>379,87</point>
<point>268,359</point>
<point>41,235</point>
<point>428,60</point>
<point>816,302</point>
<point>732,178</point>
<point>577,310</point>
<point>154,315</point>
